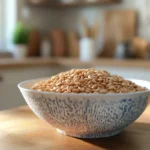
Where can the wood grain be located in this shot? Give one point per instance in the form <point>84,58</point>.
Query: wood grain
<point>120,25</point>
<point>20,129</point>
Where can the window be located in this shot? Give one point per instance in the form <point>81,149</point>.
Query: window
<point>7,23</point>
<point>1,23</point>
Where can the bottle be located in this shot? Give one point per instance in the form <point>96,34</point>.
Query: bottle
<point>57,37</point>
<point>34,43</point>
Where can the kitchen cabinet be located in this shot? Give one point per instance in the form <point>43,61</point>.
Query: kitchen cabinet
<point>10,95</point>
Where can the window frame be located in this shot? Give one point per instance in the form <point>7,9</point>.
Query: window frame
<point>8,19</point>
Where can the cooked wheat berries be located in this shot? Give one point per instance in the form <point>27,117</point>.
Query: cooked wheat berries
<point>87,81</point>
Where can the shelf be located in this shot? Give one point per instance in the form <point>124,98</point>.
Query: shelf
<point>77,4</point>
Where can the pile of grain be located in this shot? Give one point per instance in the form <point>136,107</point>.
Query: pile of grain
<point>87,81</point>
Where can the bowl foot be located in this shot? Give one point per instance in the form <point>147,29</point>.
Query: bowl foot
<point>90,136</point>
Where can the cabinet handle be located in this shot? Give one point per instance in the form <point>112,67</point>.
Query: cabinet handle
<point>1,78</point>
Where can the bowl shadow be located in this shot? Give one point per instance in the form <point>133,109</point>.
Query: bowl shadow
<point>135,137</point>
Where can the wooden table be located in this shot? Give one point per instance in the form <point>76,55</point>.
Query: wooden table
<point>20,129</point>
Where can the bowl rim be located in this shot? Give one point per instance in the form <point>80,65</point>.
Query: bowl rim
<point>147,92</point>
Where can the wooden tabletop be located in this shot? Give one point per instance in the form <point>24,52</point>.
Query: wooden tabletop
<point>71,62</point>
<point>20,129</point>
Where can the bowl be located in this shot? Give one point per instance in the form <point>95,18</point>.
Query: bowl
<point>87,115</point>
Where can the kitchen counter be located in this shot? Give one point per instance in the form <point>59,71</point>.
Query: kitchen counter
<point>72,62</point>
<point>20,129</point>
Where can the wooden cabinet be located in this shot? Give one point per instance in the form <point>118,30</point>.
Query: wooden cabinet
<point>10,95</point>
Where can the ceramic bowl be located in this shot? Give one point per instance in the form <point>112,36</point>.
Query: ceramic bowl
<point>87,115</point>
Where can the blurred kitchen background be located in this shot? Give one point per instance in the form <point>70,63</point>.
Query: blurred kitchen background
<point>39,38</point>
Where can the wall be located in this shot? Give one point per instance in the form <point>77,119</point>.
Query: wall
<point>68,19</point>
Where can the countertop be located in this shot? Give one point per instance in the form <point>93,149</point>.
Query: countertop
<point>20,129</point>
<point>72,62</point>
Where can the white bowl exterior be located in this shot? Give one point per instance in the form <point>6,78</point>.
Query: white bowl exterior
<point>86,115</point>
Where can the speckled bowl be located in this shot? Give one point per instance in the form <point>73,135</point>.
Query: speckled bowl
<point>87,115</point>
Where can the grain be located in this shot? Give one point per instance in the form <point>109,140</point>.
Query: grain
<point>87,81</point>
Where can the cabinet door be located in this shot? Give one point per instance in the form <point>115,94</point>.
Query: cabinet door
<point>10,95</point>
